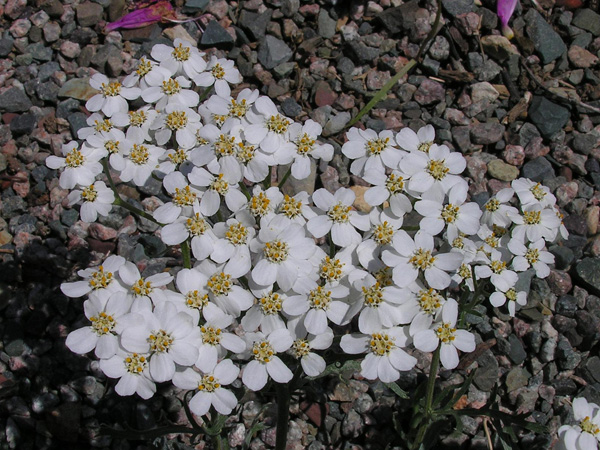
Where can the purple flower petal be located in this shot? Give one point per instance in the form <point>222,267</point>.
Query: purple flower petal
<point>505,9</point>
<point>143,17</point>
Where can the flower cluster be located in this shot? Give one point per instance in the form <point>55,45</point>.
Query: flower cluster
<point>584,435</point>
<point>262,298</point>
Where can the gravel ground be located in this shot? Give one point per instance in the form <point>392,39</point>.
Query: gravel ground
<point>529,107</point>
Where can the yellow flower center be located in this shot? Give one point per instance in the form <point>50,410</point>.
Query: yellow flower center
<point>184,196</point>
<point>245,153</point>
<point>111,89</point>
<point>319,298</point>
<point>492,240</point>
<point>498,266</point>
<point>160,341</point>
<point>538,192</point>
<point>144,67</point>
<point>259,204</point>
<point>196,226</point>
<point>492,205</point>
<point>278,124</point>
<point>112,146</point>
<point>424,146</point>
<point>383,233</point>
<point>498,230</point>
<point>178,156</point>
<point>300,348</point>
<point>305,144</point>
<point>465,271</point>
<point>171,87</point>
<point>219,119</point>
<point>74,159</point>
<point>330,270</point>
<point>532,255</point>
<point>224,146</point>
<point>194,299</point>
<point>135,363</point>
<point>220,185</point>
<point>139,154</point>
<point>276,251</point>
<point>511,295</point>
<point>103,125</point>
<point>262,351</point>
<point>422,259</point>
<point>100,279</point>
<point>437,169</point>
<point>532,217</point>
<point>89,193</point>
<point>238,109</point>
<point>458,242</point>
<point>142,288</point>
<point>271,303</point>
<point>384,277</point>
<point>589,427</point>
<point>176,120</point>
<point>450,213</point>
<point>102,323</point>
<point>290,207</point>
<point>217,71</point>
<point>445,333</point>
<point>208,383</point>
<point>376,146</point>
<point>339,213</point>
<point>137,118</point>
<point>373,295</point>
<point>220,283</point>
<point>381,344</point>
<point>210,335</point>
<point>394,183</point>
<point>429,300</point>
<point>181,53</point>
<point>237,234</point>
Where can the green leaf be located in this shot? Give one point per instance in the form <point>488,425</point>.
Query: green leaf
<point>398,390</point>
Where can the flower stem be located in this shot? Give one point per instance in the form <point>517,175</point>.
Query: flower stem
<point>285,177</point>
<point>245,190</point>
<point>207,91</point>
<point>185,253</point>
<point>433,370</point>
<point>283,415</point>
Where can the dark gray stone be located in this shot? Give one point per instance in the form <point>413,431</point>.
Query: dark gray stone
<point>77,121</point>
<point>48,91</point>
<point>66,107</point>
<point>487,132</point>
<point>290,107</point>
<point>516,352</point>
<point>538,169</point>
<point>6,45</point>
<point>273,52</point>
<point>563,256</point>
<point>46,70</point>
<point>255,24</point>
<point>566,305</point>
<point>584,143</point>
<point>326,26</point>
<point>588,20</point>
<point>14,100</point>
<point>216,36</point>
<point>548,117</point>
<point>399,18</point>
<point>546,41</point>
<point>361,53</point>
<point>486,375</point>
<point>89,14</point>
<point>567,358</point>
<point>456,7</point>
<point>40,52</point>
<point>23,124</point>
<point>588,271</point>
<point>194,5</point>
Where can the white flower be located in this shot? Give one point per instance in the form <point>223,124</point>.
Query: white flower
<point>210,387</point>
<point>191,283</point>
<point>220,150</point>
<point>339,217</point>
<point>168,335</point>
<point>371,151</point>
<point>81,165</point>
<point>195,227</point>
<point>304,140</point>
<point>215,341</point>
<point>220,184</point>
<point>137,162</point>
<point>333,270</point>
<point>220,72</point>
<point>171,90</point>
<point>185,199</point>
<point>96,279</point>
<point>97,124</point>
<point>425,307</point>
<point>384,225</point>
<point>389,188</point>
<point>420,141</point>
<point>113,95</point>
<point>266,313</point>
<point>267,128</point>
<point>496,270</point>
<point>439,166</point>
<point>147,73</point>
<point>96,199</point>
<point>232,108</point>
<point>409,258</point>
<point>262,205</point>
<point>231,247</point>
<point>282,247</point>
<point>304,343</point>
<point>266,363</point>
<point>133,373</point>
<point>446,335</point>
<point>183,59</point>
<point>500,297</point>
<point>536,223</point>
<point>532,193</point>
<point>228,296</point>
<point>138,123</point>
<point>296,208</point>
<point>586,433</point>
<point>385,358</point>
<point>455,215</point>
<point>144,290</point>
<point>178,119</point>
<point>496,211</point>
<point>531,256</point>
<point>108,312</point>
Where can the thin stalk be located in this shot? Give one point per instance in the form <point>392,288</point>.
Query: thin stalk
<point>285,177</point>
<point>185,253</point>
<point>407,68</point>
<point>267,181</point>
<point>331,246</point>
<point>205,94</point>
<point>283,415</point>
<point>435,363</point>
<point>245,190</point>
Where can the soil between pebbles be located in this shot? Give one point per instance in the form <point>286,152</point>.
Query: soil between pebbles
<point>322,60</point>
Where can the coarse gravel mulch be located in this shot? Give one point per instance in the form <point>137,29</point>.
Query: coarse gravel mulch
<point>527,107</point>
